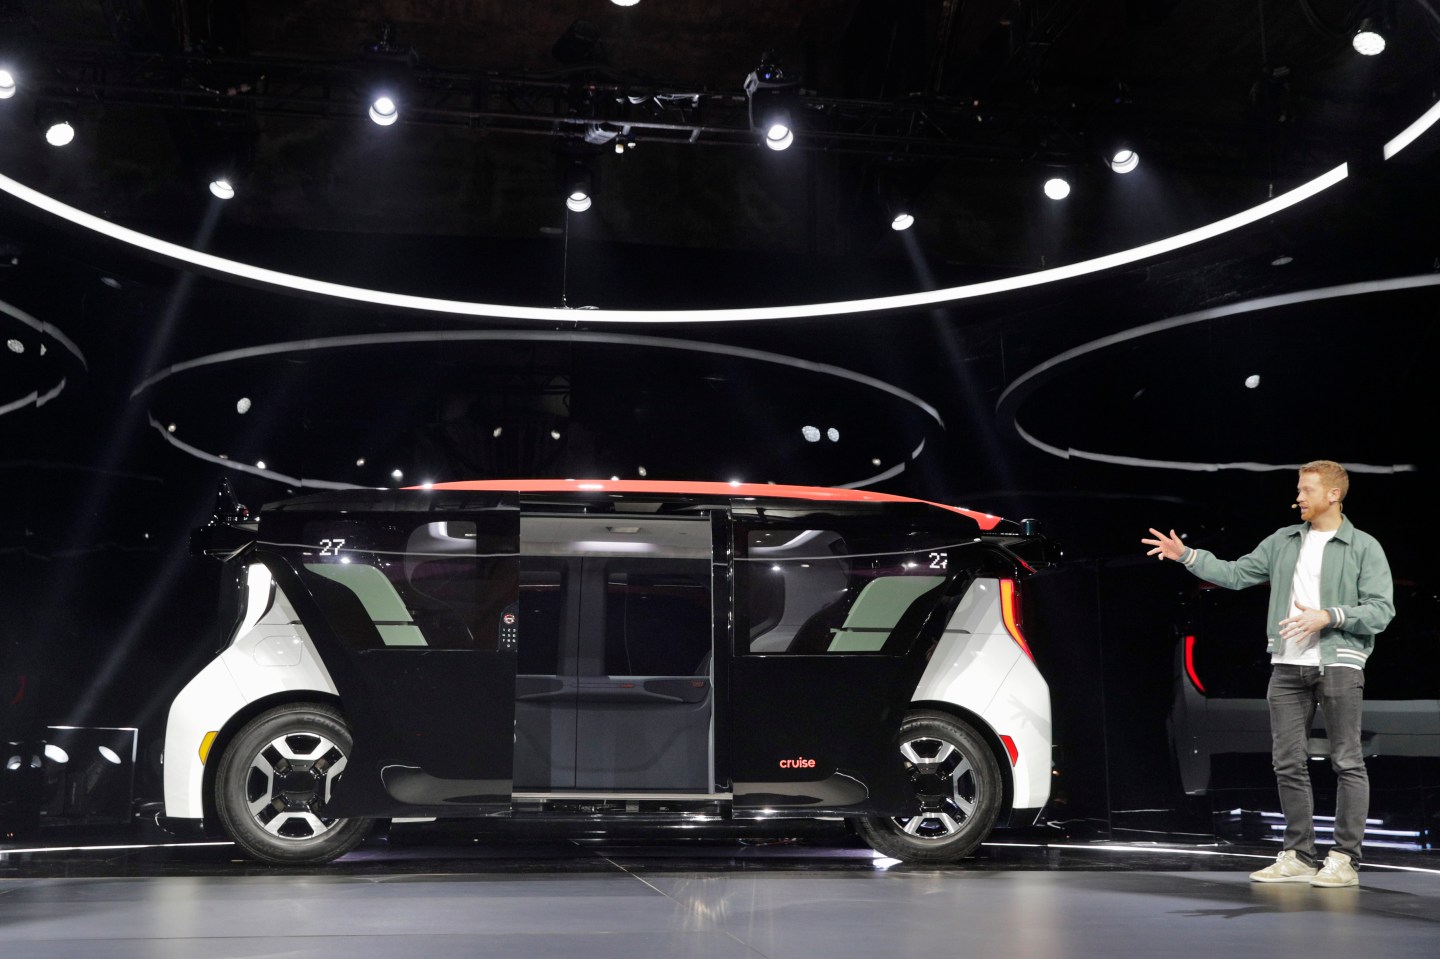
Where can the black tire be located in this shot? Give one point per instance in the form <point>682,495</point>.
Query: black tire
<point>274,780</point>
<point>957,780</point>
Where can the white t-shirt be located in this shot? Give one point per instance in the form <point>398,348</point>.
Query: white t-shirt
<point>1305,589</point>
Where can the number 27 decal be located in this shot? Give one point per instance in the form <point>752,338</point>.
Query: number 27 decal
<point>937,560</point>
<point>331,547</point>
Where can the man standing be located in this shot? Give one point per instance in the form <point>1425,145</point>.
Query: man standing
<point>1330,596</point>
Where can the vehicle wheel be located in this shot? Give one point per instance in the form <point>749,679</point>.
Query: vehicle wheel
<point>275,780</point>
<point>956,780</point>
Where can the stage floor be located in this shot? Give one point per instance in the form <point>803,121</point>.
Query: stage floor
<point>811,899</point>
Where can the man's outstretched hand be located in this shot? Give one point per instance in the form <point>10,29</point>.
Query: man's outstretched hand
<point>1166,547</point>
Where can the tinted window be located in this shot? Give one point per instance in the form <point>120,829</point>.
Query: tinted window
<point>541,617</point>
<point>657,617</point>
<point>399,582</point>
<point>824,591</point>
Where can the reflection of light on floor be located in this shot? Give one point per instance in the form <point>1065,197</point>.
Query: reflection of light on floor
<point>145,845</point>
<point>1190,851</point>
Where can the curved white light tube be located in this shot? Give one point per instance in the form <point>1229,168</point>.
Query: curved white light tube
<point>924,298</point>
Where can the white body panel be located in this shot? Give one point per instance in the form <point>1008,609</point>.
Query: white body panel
<point>978,666</point>
<point>271,653</point>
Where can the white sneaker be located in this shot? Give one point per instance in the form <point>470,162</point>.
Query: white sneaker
<point>1287,867</point>
<point>1337,871</point>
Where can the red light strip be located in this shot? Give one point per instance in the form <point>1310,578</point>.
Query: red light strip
<point>1010,612</point>
<point>1190,664</point>
<point>1012,749</point>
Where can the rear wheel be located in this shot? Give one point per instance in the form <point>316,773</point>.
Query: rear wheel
<point>274,783</point>
<point>957,784</point>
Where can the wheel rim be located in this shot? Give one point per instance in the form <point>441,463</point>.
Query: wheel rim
<point>288,784</point>
<point>945,783</point>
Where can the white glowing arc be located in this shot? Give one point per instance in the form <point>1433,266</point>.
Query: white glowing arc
<point>923,298</point>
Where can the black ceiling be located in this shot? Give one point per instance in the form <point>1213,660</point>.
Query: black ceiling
<point>965,106</point>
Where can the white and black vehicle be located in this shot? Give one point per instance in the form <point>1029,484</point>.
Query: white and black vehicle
<point>615,652</point>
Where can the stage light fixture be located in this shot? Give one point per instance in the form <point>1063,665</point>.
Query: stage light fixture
<point>384,111</point>
<point>811,434</point>
<point>579,187</point>
<point>222,188</point>
<point>624,3</point>
<point>1124,160</point>
<point>7,84</point>
<point>902,221</point>
<point>59,134</point>
<point>1368,40</point>
<point>771,93</point>
<point>397,474</point>
<point>1057,188</point>
<point>833,435</point>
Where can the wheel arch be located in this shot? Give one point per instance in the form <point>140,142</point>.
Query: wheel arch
<point>232,727</point>
<point>992,740</point>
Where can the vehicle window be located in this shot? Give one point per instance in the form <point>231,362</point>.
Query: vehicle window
<point>399,582</point>
<point>808,591</point>
<point>657,617</point>
<point>541,617</point>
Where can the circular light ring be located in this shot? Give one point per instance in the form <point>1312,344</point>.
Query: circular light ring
<point>38,398</point>
<point>902,221</point>
<point>222,188</point>
<point>1008,406</point>
<point>905,301</point>
<point>1124,161</point>
<point>527,336</point>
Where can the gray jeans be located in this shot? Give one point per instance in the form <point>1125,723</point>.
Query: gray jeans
<point>1339,691</point>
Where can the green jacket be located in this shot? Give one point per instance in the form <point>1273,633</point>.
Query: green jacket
<point>1355,586</point>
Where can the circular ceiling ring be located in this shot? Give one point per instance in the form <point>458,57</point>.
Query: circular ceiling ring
<point>925,298</point>
<point>429,338</point>
<point>1008,406</point>
<point>928,298</point>
<point>51,335</point>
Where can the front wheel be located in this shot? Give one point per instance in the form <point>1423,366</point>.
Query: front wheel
<point>275,781</point>
<point>957,784</point>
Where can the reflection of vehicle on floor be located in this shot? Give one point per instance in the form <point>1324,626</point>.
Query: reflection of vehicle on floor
<point>622,652</point>
<point>1222,670</point>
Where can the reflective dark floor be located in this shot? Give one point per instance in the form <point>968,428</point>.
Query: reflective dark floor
<point>438,894</point>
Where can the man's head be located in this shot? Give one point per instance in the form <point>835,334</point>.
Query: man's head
<point>1320,490</point>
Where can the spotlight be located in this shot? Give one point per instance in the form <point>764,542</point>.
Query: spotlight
<point>579,187</point>
<point>222,188</point>
<point>624,3</point>
<point>1252,381</point>
<point>397,474</point>
<point>770,94</point>
<point>1368,40</point>
<point>59,134</point>
<point>833,435</point>
<point>811,434</point>
<point>1057,188</point>
<point>15,346</point>
<point>1124,160</point>
<point>902,221</point>
<point>554,434</point>
<point>7,84</point>
<point>779,136</point>
<point>242,405</point>
<point>384,111</point>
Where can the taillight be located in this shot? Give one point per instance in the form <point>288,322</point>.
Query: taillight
<point>1010,613</point>
<point>1190,665</point>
